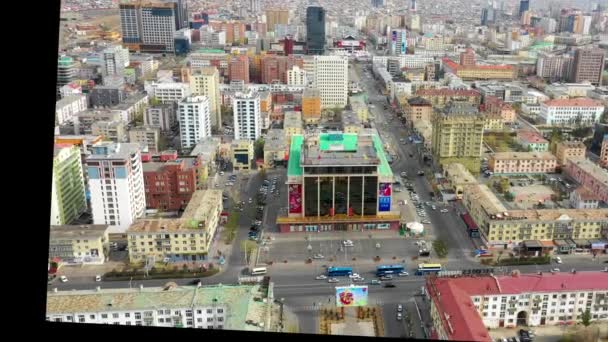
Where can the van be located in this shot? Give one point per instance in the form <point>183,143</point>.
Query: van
<point>258,271</point>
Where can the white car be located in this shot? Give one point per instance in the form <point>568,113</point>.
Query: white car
<point>354,275</point>
<point>403,274</point>
<point>347,243</point>
<point>98,278</point>
<point>250,200</point>
<point>558,260</point>
<point>63,279</point>
<point>333,280</point>
<point>321,277</point>
<point>221,173</point>
<point>555,270</point>
<point>318,256</point>
<point>358,279</point>
<point>399,316</point>
<point>443,210</point>
<point>399,308</point>
<point>426,222</point>
<point>403,174</point>
<point>434,207</point>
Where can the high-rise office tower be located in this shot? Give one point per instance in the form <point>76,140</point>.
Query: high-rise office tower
<point>116,182</point>
<point>315,30</point>
<point>588,65</point>
<point>246,114</point>
<point>149,27</point>
<point>413,6</point>
<point>377,3</point>
<point>194,120</point>
<point>331,78</point>
<point>524,5</point>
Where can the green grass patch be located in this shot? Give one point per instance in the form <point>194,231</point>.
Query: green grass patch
<point>231,227</point>
<point>542,260</point>
<point>441,248</point>
<point>161,274</point>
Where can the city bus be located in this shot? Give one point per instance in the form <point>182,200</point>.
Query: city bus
<point>258,271</point>
<point>339,271</point>
<point>424,269</point>
<point>388,269</point>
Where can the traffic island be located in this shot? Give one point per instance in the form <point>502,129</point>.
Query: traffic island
<point>166,273</point>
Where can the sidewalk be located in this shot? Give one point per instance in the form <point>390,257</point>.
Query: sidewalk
<point>325,236</point>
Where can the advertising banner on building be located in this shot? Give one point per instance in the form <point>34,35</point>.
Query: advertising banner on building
<point>295,198</point>
<point>384,197</point>
<point>351,295</point>
<point>394,36</point>
<point>403,42</point>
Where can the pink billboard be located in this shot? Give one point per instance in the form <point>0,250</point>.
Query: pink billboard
<point>295,198</point>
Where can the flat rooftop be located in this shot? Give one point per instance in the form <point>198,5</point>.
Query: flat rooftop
<point>238,300</point>
<point>332,147</point>
<point>597,172</point>
<point>78,231</point>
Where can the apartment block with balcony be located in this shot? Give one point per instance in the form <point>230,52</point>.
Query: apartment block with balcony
<point>146,136</point>
<point>569,150</point>
<point>220,306</point>
<point>169,185</point>
<point>457,132</point>
<point>87,244</point>
<point>186,239</point>
<point>522,162</point>
<point>589,175</point>
<point>68,199</point>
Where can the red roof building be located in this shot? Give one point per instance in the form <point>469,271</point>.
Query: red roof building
<point>463,308</point>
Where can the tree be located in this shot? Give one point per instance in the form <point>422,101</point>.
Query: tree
<point>248,247</point>
<point>258,148</point>
<point>586,318</point>
<point>504,185</point>
<point>509,197</point>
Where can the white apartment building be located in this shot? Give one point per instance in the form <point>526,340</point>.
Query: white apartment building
<point>116,183</point>
<point>206,81</point>
<point>331,78</point>
<point>204,58</point>
<point>168,92</point>
<point>562,112</point>
<point>474,304</point>
<point>162,116</point>
<point>115,59</point>
<point>296,76</point>
<point>194,119</point>
<point>67,107</point>
<point>247,117</point>
<point>205,307</point>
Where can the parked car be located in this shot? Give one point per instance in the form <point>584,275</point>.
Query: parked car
<point>558,260</point>
<point>386,277</point>
<point>98,278</point>
<point>333,280</point>
<point>389,285</point>
<point>321,277</point>
<point>403,274</point>
<point>354,275</point>
<point>443,210</point>
<point>375,282</point>
<point>318,256</point>
<point>399,316</point>
<point>194,282</point>
<point>399,308</point>
<point>347,243</point>
<point>63,279</point>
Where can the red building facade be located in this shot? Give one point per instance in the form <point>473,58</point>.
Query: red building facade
<point>169,185</point>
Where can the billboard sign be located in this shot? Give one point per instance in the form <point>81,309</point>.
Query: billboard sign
<point>351,295</point>
<point>384,197</point>
<point>394,36</point>
<point>403,42</point>
<point>295,198</point>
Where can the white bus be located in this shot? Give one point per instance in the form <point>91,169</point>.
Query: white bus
<point>258,271</point>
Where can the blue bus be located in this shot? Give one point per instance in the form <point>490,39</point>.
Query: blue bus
<point>388,269</point>
<point>339,271</point>
<point>424,269</point>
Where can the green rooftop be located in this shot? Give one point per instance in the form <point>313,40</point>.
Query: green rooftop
<point>345,142</point>
<point>293,165</point>
<point>204,50</point>
<point>384,168</point>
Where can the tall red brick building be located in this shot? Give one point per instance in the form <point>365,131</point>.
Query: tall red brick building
<point>238,69</point>
<point>169,185</point>
<point>275,68</point>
